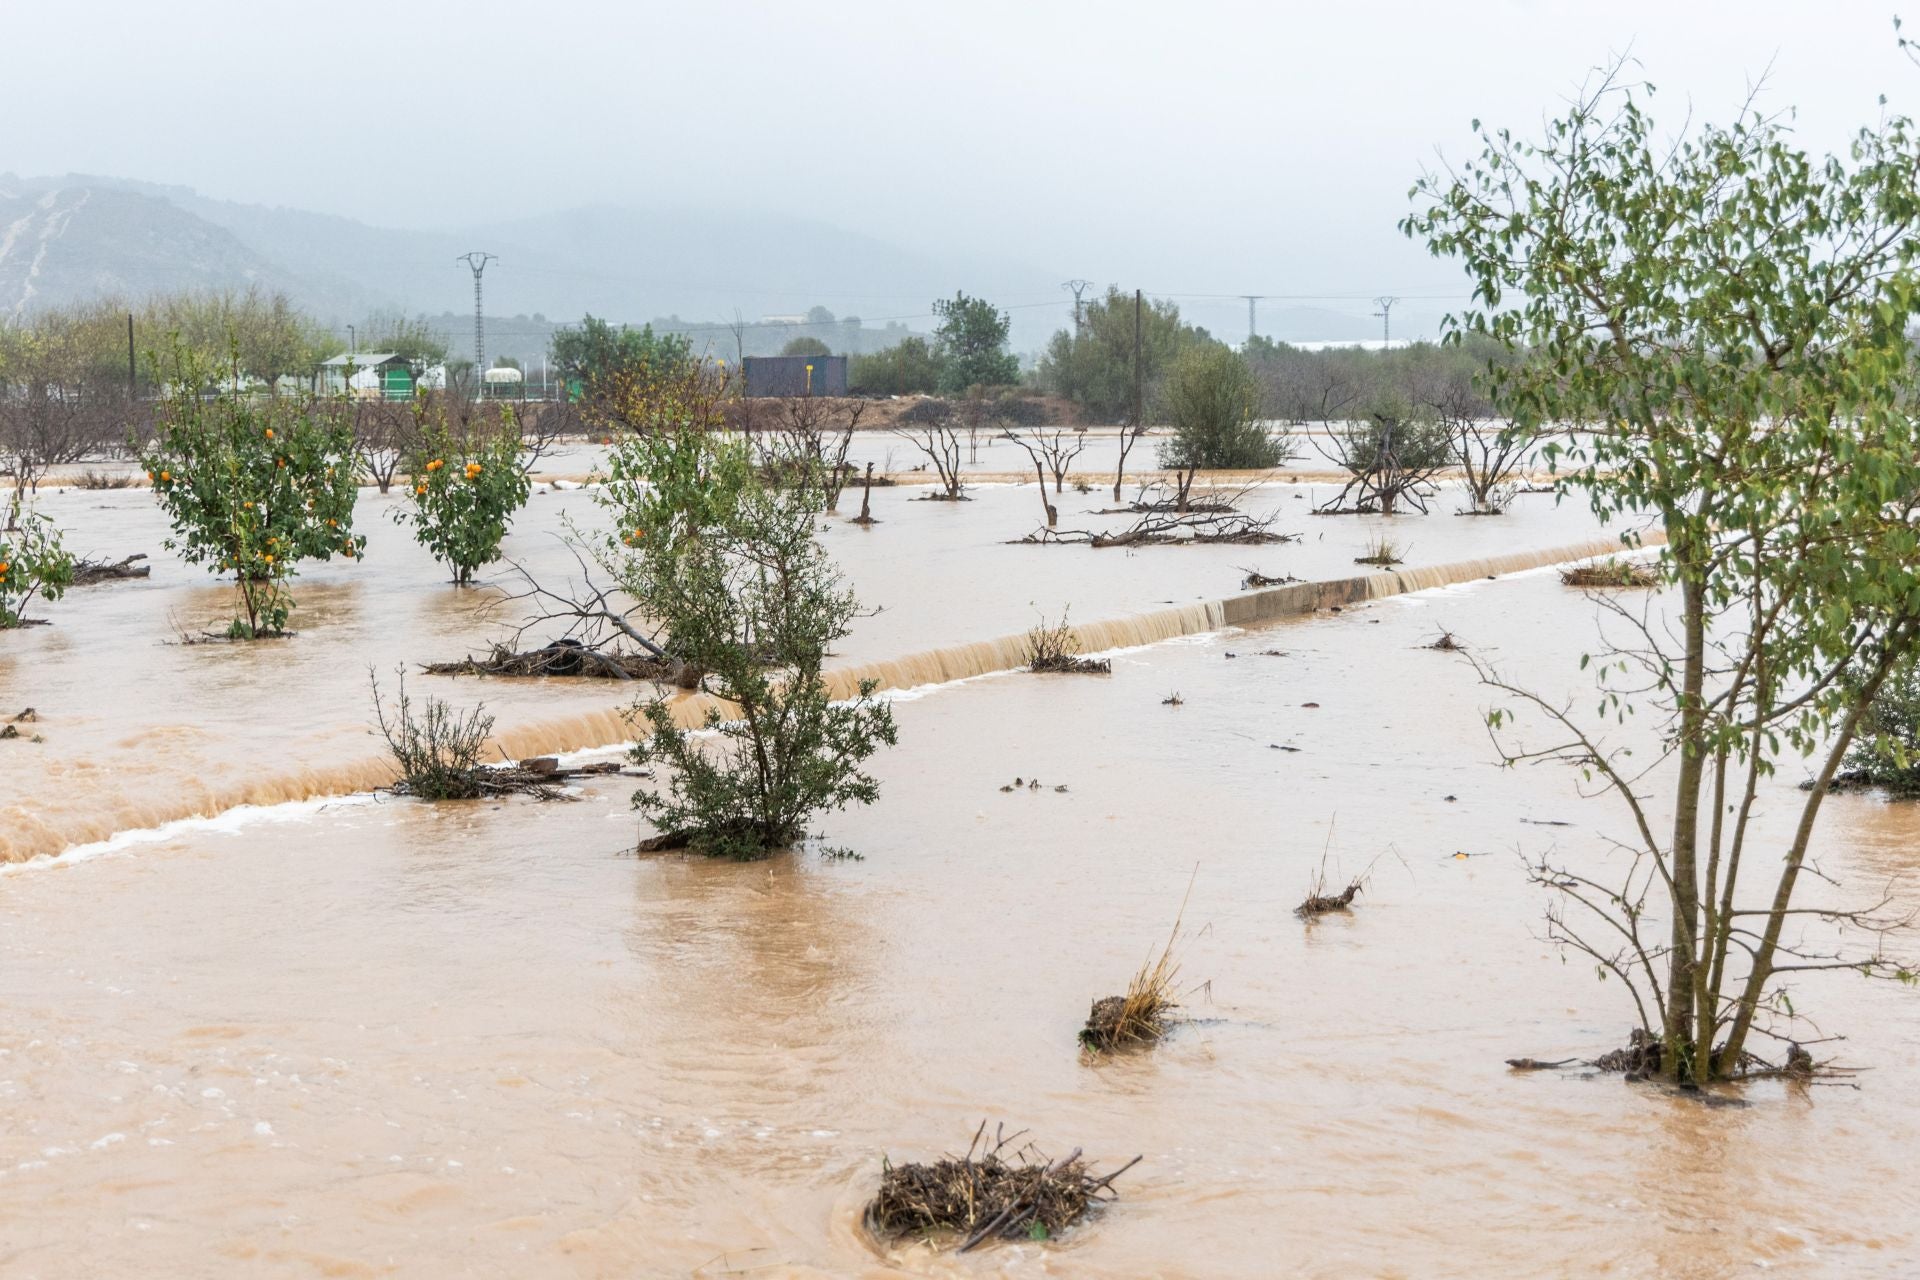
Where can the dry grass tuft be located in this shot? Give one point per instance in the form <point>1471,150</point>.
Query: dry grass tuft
<point>1057,649</point>
<point>1382,552</point>
<point>1146,1012</point>
<point>91,479</point>
<point>984,1196</point>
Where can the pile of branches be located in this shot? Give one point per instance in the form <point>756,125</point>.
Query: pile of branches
<point>561,658</point>
<point>1318,904</point>
<point>89,571</point>
<point>1611,573</point>
<point>1321,898</point>
<point>984,1196</point>
<point>539,777</point>
<point>1157,529</point>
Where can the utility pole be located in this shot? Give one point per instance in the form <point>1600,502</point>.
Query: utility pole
<point>1137,348</point>
<point>1386,320</point>
<point>130,379</point>
<point>353,340</point>
<point>1077,287</point>
<point>1251,299</point>
<point>478,261</point>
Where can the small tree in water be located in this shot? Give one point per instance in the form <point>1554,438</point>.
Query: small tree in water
<point>1727,317</point>
<point>466,491</point>
<point>32,562</point>
<point>1212,401</point>
<point>253,486</point>
<point>730,568</point>
<point>1886,752</point>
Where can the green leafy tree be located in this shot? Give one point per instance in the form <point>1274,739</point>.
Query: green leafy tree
<point>604,359</point>
<point>465,493</point>
<point>1212,401</point>
<point>253,486</point>
<point>732,570</point>
<point>32,562</point>
<point>1886,751</point>
<point>414,339</point>
<point>972,337</point>
<point>806,347</point>
<point>251,335</point>
<point>1094,365</point>
<point>1727,317</point>
<point>909,367</point>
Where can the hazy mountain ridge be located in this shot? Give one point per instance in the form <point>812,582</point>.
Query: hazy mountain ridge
<point>75,237</point>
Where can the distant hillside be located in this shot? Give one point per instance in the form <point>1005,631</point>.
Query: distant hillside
<point>72,243</point>
<point>77,236</point>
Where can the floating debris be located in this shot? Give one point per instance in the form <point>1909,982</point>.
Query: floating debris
<point>984,1195</point>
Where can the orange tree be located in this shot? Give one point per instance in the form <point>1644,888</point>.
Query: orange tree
<point>253,486</point>
<point>465,492</point>
<point>32,562</point>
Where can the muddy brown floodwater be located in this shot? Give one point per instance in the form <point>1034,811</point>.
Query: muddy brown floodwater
<point>360,1037</point>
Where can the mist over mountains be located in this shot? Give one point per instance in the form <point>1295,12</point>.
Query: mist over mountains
<point>79,237</point>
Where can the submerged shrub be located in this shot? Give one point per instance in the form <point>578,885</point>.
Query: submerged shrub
<point>253,486</point>
<point>1886,751</point>
<point>465,493</point>
<point>731,570</point>
<point>32,562</point>
<point>437,751</point>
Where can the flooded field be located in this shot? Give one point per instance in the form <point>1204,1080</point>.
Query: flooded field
<point>359,1036</point>
<point>142,730</point>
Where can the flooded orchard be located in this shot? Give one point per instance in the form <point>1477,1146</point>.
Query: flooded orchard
<point>349,1034</point>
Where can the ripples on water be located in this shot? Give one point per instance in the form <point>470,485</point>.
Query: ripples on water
<point>384,1037</point>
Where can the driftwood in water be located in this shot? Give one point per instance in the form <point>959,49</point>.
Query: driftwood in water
<point>1611,573</point>
<point>983,1196</point>
<point>561,658</point>
<point>1320,903</point>
<point>88,572</point>
<point>536,776</point>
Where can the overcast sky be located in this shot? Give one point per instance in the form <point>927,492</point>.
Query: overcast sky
<point>1189,147</point>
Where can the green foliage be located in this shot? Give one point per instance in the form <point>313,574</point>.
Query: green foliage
<point>1887,751</point>
<point>806,347</point>
<point>254,486</point>
<point>258,336</point>
<point>909,367</point>
<point>732,570</point>
<point>1094,366</point>
<point>1727,317</point>
<point>601,356</point>
<point>972,338</point>
<point>465,492</point>
<point>32,562</point>
<point>1213,403</point>
<point>413,338</point>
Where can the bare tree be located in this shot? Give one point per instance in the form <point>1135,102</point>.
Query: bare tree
<point>1394,457</point>
<point>1490,456</point>
<point>812,432</point>
<point>930,427</point>
<point>384,432</point>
